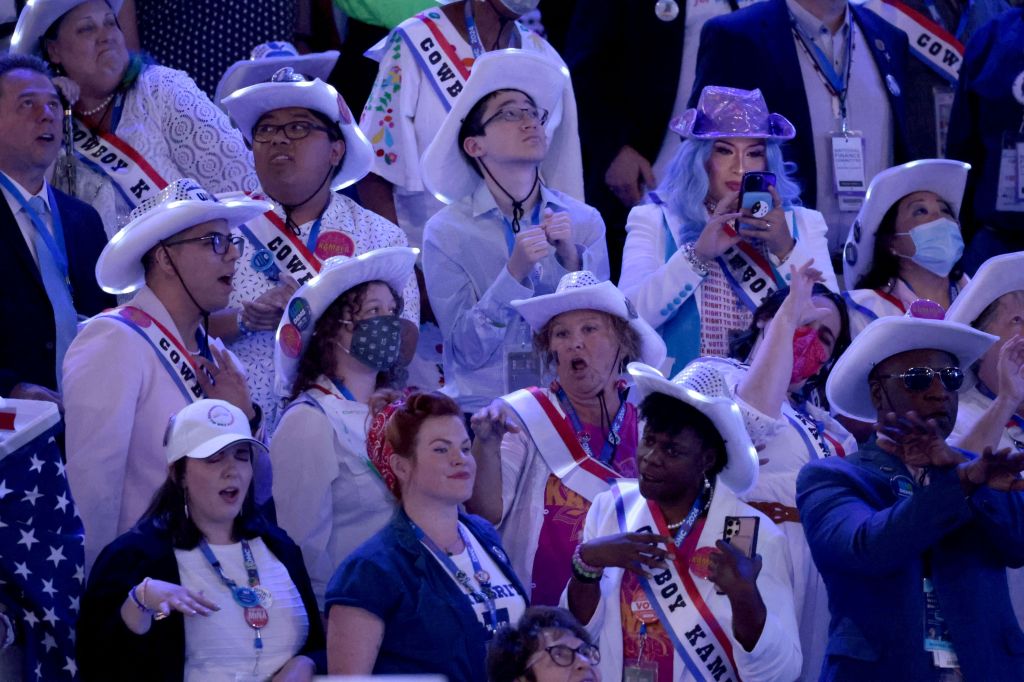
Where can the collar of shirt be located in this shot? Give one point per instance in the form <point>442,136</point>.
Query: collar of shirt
<point>15,206</point>
<point>812,25</point>
<point>482,201</point>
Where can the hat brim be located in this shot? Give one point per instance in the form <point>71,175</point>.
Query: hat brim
<point>248,105</point>
<point>447,174</point>
<point>604,297</point>
<point>996,277</point>
<point>741,469</point>
<point>392,265</point>
<point>119,268</point>
<point>37,17</point>
<point>944,177</point>
<point>248,72</point>
<point>215,445</point>
<point>847,387</point>
<point>779,128</point>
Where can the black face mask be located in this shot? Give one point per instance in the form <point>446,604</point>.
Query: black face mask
<point>376,341</point>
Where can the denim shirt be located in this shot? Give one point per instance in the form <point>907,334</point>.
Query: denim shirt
<point>429,625</point>
<point>470,289</point>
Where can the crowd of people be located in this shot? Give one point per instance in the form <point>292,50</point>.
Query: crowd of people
<point>517,376</point>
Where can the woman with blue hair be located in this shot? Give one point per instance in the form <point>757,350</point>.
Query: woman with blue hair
<point>693,270</point>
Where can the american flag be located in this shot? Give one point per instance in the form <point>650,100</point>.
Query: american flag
<point>42,559</point>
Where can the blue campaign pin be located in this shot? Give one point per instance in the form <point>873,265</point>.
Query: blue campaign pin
<point>902,486</point>
<point>261,260</point>
<point>894,87</point>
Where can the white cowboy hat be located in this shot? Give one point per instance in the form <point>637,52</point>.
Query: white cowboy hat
<point>179,206</point>
<point>740,472</point>
<point>447,173</point>
<point>266,59</point>
<point>36,19</point>
<point>847,387</point>
<point>204,428</point>
<point>582,290</point>
<point>997,276</point>
<point>392,265</point>
<point>289,89</point>
<point>945,177</point>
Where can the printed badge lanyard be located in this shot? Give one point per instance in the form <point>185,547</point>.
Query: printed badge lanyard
<point>613,439</point>
<point>482,576</point>
<point>838,86</point>
<point>474,35</point>
<point>253,599</point>
<point>55,242</point>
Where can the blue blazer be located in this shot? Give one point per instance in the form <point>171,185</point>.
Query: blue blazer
<point>429,625</point>
<point>872,546</point>
<point>754,48</point>
<point>27,351</point>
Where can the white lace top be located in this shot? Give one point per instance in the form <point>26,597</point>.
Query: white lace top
<point>179,131</point>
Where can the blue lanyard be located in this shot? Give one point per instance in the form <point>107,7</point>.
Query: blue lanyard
<point>314,232</point>
<point>474,34</point>
<point>482,577</point>
<point>203,343</point>
<point>55,242</point>
<point>688,523</point>
<point>836,84</point>
<point>613,439</point>
<point>247,597</point>
<point>510,232</point>
<point>344,391</point>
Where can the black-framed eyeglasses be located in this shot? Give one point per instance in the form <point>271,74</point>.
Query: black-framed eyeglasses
<point>564,655</point>
<point>220,243</point>
<point>294,130</point>
<point>918,379</point>
<point>517,114</point>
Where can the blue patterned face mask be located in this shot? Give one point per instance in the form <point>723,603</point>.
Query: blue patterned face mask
<point>375,341</point>
<point>938,245</point>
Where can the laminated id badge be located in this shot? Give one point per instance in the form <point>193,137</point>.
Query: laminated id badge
<point>642,671</point>
<point>1010,191</point>
<point>943,96</point>
<point>936,632</point>
<point>848,170</point>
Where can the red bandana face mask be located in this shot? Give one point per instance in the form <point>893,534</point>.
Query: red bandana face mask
<point>809,354</point>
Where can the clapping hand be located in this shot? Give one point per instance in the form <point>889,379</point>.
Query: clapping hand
<point>998,470</point>
<point>558,228</point>
<point>918,443</point>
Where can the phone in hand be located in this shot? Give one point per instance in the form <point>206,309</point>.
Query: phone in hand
<point>741,533</point>
<point>754,193</point>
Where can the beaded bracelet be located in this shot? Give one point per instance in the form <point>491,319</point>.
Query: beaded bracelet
<point>583,571</point>
<point>243,328</point>
<point>699,265</point>
<point>139,602</point>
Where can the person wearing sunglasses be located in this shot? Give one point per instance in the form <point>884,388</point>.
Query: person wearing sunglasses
<point>132,367</point>
<point>306,146</point>
<point>913,536</point>
<point>546,645</point>
<point>506,235</point>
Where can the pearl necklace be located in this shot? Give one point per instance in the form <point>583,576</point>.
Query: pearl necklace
<point>101,107</point>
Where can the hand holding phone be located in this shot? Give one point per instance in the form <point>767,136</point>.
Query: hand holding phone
<point>754,193</point>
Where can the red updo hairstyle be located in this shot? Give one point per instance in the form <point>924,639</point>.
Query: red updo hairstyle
<point>395,425</point>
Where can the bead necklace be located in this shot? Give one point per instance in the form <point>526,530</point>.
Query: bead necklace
<point>102,105</point>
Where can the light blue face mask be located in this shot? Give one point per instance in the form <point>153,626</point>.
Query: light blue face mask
<point>938,245</point>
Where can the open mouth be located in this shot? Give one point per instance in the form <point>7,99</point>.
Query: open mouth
<point>230,495</point>
<point>578,364</point>
<point>225,280</point>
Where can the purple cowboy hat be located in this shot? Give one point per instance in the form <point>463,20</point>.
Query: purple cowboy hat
<point>730,112</point>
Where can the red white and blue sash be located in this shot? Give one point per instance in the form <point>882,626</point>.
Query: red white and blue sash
<point>441,65</point>
<point>109,155</point>
<point>696,635</point>
<point>280,248</point>
<point>558,445</point>
<point>750,274</point>
<point>173,355</point>
<point>931,43</point>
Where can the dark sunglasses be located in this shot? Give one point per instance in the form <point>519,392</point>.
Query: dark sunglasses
<point>918,379</point>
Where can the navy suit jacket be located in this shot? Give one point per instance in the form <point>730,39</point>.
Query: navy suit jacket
<point>27,350</point>
<point>754,48</point>
<point>872,546</point>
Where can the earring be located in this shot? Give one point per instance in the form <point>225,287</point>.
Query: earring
<point>186,504</point>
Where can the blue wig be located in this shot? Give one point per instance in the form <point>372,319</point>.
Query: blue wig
<point>686,183</point>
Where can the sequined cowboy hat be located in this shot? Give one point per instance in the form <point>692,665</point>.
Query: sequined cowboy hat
<point>996,277</point>
<point>584,291</point>
<point>730,112</point>
<point>392,265</point>
<point>204,428</point>
<point>179,206</point>
<point>287,88</point>
<point>38,16</point>
<point>266,60</point>
<point>847,388</point>
<point>447,173</point>
<point>945,177</point>
<point>740,472</point>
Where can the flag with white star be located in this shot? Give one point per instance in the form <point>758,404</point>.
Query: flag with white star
<point>42,571</point>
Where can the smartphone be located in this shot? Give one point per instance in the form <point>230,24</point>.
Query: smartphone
<point>754,193</point>
<point>741,533</point>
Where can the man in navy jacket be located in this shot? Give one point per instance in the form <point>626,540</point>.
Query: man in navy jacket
<point>911,536</point>
<point>30,138</point>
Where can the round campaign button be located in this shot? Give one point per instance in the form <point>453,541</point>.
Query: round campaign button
<point>642,610</point>
<point>290,339</point>
<point>139,318</point>
<point>262,260</point>
<point>666,10</point>
<point>334,243</point>
<point>300,313</point>
<point>700,561</point>
<point>257,617</point>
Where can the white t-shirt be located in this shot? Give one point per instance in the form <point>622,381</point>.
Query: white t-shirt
<point>509,602</point>
<point>219,647</point>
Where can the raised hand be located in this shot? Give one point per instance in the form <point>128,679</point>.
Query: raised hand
<point>224,381</point>
<point>1011,369</point>
<point>999,470</point>
<point>491,423</point>
<point>628,174</point>
<point>917,442</point>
